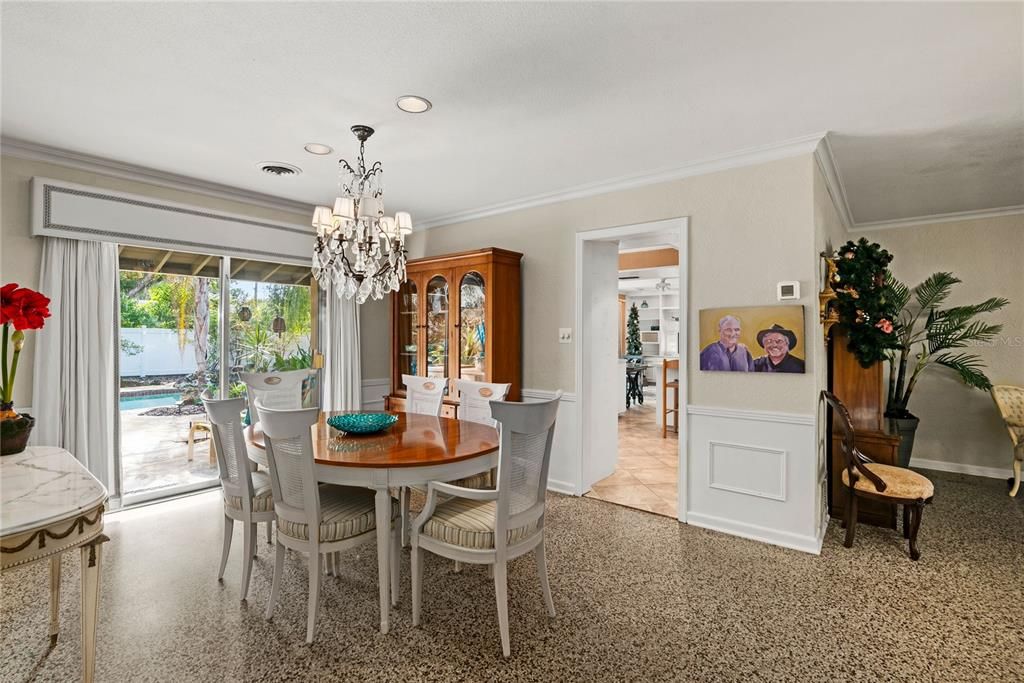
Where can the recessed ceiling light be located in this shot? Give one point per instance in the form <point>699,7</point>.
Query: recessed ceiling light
<point>413,104</point>
<point>318,148</point>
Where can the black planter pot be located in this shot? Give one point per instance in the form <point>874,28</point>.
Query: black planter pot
<point>906,428</point>
<point>14,433</point>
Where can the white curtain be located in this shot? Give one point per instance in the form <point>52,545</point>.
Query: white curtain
<point>343,377</point>
<point>74,388</point>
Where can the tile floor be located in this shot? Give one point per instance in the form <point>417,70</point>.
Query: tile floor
<point>154,453</point>
<point>647,475</point>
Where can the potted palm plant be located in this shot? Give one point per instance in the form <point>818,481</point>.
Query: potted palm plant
<point>926,335</point>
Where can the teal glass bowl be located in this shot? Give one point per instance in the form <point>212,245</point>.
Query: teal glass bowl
<point>362,423</point>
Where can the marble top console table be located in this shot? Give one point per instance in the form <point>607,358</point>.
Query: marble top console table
<point>50,504</point>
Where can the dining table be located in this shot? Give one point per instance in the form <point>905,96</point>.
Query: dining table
<point>414,451</point>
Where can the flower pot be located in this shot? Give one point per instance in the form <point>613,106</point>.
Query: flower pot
<point>14,433</point>
<point>905,427</point>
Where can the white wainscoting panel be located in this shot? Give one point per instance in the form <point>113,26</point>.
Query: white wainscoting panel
<point>373,393</point>
<point>564,471</point>
<point>750,470</point>
<point>755,474</point>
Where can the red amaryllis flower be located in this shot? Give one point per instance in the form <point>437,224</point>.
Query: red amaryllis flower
<point>884,325</point>
<point>22,307</point>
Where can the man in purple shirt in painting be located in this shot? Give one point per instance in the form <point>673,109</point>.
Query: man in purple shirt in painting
<point>727,354</point>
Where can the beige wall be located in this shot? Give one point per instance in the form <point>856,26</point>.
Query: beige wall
<point>960,425</point>
<point>20,252</point>
<point>749,228</point>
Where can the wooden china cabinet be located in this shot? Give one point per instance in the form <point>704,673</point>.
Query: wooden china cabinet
<point>458,316</point>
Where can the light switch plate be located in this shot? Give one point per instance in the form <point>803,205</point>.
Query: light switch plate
<point>564,335</point>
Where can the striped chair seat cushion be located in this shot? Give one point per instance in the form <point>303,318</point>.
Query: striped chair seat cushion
<point>484,480</point>
<point>262,498</point>
<point>345,511</point>
<point>470,524</point>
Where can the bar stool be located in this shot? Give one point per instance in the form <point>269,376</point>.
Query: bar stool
<point>665,386</point>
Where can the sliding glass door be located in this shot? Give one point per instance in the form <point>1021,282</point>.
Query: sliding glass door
<point>170,305</point>
<point>190,323</point>
<point>270,322</point>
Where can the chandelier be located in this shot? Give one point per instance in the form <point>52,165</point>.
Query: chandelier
<point>358,249</point>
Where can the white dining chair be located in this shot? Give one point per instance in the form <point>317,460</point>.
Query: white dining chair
<point>475,399</point>
<point>481,526</point>
<point>343,516</point>
<point>475,406</point>
<point>247,494</point>
<point>277,390</point>
<point>424,395</point>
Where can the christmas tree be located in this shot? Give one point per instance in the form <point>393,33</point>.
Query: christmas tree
<point>633,346</point>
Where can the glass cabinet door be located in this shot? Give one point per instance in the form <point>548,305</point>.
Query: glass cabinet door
<point>472,329</point>
<point>407,329</point>
<point>437,327</point>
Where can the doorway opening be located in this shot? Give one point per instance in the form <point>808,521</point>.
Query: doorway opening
<point>631,364</point>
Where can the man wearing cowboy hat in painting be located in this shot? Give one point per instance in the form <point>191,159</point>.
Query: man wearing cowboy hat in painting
<point>777,342</point>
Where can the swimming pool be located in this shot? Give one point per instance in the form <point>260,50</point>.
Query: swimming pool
<point>149,401</point>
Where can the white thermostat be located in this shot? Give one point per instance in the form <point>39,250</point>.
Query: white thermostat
<point>789,290</point>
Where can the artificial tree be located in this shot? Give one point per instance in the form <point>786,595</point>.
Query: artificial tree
<point>928,335</point>
<point>864,300</point>
<point>633,344</point>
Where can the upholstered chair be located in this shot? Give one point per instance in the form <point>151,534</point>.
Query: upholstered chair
<point>1010,402</point>
<point>317,519</point>
<point>278,390</point>
<point>865,478</point>
<point>424,395</point>
<point>247,495</point>
<point>493,526</point>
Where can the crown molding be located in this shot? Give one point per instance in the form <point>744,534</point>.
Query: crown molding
<point>745,157</point>
<point>32,151</point>
<point>826,161</point>
<point>942,218</point>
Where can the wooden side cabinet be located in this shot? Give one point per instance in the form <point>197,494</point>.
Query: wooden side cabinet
<point>860,389</point>
<point>458,316</point>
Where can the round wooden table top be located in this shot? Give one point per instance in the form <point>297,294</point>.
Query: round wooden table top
<point>414,441</point>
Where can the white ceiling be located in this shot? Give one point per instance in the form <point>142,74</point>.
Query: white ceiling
<point>925,99</point>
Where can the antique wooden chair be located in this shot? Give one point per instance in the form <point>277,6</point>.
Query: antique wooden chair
<point>887,483</point>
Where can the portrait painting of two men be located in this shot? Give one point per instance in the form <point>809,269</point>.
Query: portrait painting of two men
<point>752,339</point>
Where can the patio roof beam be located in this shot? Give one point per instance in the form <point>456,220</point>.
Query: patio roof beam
<point>241,264</point>
<point>301,278</point>
<point>273,270</point>
<point>163,260</point>
<point>202,264</point>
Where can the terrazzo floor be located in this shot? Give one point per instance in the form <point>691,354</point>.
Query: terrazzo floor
<point>640,597</point>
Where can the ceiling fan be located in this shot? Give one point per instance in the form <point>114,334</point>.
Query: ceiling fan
<point>663,286</point>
